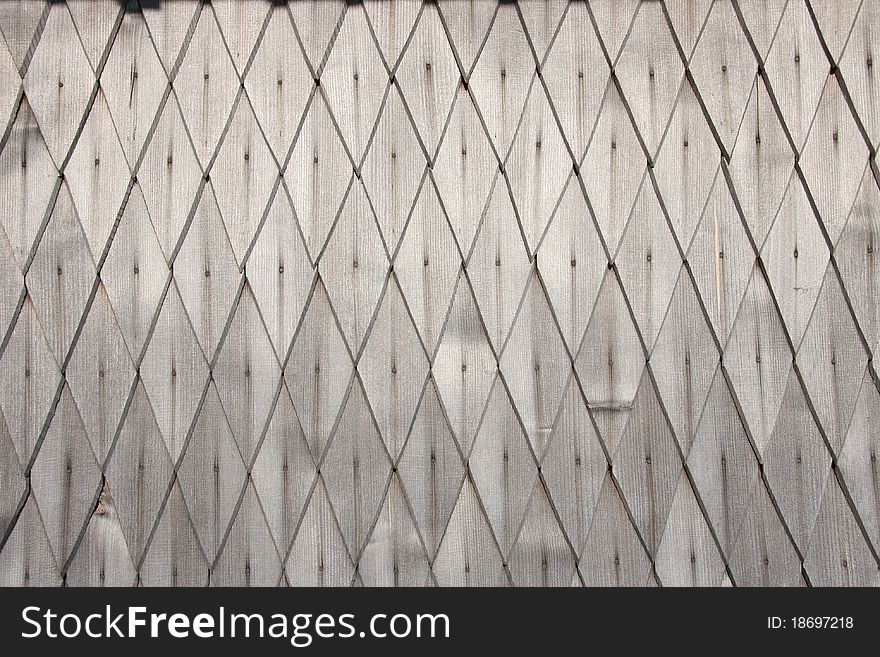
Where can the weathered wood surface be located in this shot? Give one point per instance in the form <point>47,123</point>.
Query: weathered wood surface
<point>439,293</point>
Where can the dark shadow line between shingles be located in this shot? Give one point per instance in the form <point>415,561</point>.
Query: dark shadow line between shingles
<point>35,40</point>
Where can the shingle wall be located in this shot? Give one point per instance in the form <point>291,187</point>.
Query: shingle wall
<point>455,293</point>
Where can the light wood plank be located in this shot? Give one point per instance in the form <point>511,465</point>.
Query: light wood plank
<point>65,478</point>
<point>858,460</point>
<point>613,554</point>
<point>502,77</point>
<point>537,167</point>
<point>59,82</point>
<point>284,472</point>
<point>684,362</point>
<point>835,21</point>
<point>14,482</point>
<point>796,256</point>
<point>614,19</point>
<point>721,259</point>
<point>169,21</point>
<point>647,465</point>
<point>318,371</point>
<point>468,555</point>
<point>572,264</point>
<point>428,76</point>
<point>797,464</point>
<point>498,266</point>
<point>317,176</point>
<point>392,21</point>
<point>649,263</point>
<point>761,164</point>
<point>723,466</point>
<point>502,467</point>
<point>247,375</point>
<point>576,74</point>
<point>135,273</point>
<point>27,183</point>
<point>243,179</point>
<point>762,20</point>
<point>393,368</point>
<point>764,555</point>
<point>650,72</point>
<point>758,359</point>
<point>206,86</point>
<point>170,177</point>
<point>212,474</point>
<point>536,366</point>
<point>393,168</point>
<point>134,82</point>
<point>832,360</point>
<point>98,176</point>
<point>686,165</point>
<point>838,554</point>
<point>541,556</point>
<point>724,70</point>
<point>797,69</point>
<point>464,170</point>
<point>613,168</point>
<point>29,372</point>
<point>834,159</point>
<point>139,473</point>
<point>354,80</point>
<point>394,555</point>
<point>175,557</point>
<point>26,559</point>
<point>174,372</point>
<point>431,470</point>
<point>279,83</point>
<point>687,555</point>
<point>280,273</point>
<point>12,291</point>
<point>95,20</point>
<point>102,558</point>
<point>857,66</point>
<point>464,366</point>
<point>688,18</point>
<point>427,265</point>
<point>318,556</point>
<point>854,252</point>
<point>100,374</point>
<point>574,467</point>
<point>207,272</point>
<point>354,266</point>
<point>316,22</point>
<point>240,23</point>
<point>356,470</point>
<point>249,557</point>
<point>541,20</point>
<point>20,21</point>
<point>467,23</point>
<point>610,362</point>
<point>61,276</point>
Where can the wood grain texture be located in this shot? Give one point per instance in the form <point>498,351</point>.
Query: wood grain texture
<point>134,82</point>
<point>465,292</point>
<point>97,188</point>
<point>28,181</point>
<point>206,85</point>
<point>576,74</point>
<point>278,82</point>
<point>59,83</point>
